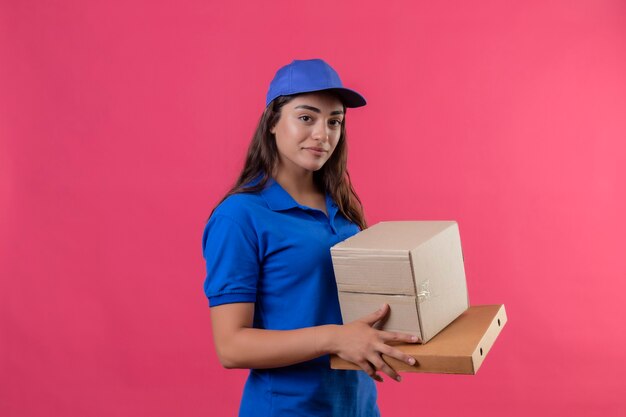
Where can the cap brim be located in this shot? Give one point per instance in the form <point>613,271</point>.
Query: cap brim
<point>349,98</point>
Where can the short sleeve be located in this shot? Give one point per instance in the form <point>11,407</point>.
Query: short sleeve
<point>232,267</point>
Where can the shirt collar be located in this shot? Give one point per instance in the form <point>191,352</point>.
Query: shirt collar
<point>278,199</point>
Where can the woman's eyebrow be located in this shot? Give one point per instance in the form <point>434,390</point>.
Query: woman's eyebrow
<point>316,110</point>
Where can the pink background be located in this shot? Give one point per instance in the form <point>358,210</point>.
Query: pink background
<point>122,123</point>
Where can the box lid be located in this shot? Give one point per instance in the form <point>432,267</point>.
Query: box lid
<point>396,236</point>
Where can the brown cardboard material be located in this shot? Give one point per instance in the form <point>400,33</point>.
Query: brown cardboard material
<point>460,348</point>
<point>414,266</point>
<point>401,318</point>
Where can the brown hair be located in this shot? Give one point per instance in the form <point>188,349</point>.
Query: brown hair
<point>333,177</point>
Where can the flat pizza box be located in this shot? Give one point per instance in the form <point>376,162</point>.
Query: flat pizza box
<point>460,348</point>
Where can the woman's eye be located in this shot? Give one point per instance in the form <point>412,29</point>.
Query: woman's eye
<point>305,118</point>
<point>335,123</point>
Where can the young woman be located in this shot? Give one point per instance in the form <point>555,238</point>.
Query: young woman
<point>270,281</point>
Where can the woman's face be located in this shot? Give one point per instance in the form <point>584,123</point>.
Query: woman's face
<point>308,131</point>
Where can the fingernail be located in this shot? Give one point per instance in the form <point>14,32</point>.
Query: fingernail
<point>398,378</point>
<point>414,339</point>
<point>411,361</point>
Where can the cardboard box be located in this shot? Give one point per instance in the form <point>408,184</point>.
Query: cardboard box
<point>414,266</point>
<point>460,348</point>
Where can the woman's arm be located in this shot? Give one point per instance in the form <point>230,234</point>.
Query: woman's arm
<point>239,345</point>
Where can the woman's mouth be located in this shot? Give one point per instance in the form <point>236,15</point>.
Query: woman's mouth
<point>316,151</point>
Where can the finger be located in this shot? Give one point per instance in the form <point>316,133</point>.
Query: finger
<point>396,354</point>
<point>382,366</point>
<point>372,318</point>
<point>377,377</point>
<point>369,369</point>
<point>398,337</point>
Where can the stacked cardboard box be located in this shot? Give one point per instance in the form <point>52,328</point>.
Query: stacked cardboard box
<point>460,348</point>
<point>417,268</point>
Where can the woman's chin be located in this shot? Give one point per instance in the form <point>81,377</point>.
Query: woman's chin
<point>312,165</point>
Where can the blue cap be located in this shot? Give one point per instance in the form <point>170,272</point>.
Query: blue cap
<point>305,76</point>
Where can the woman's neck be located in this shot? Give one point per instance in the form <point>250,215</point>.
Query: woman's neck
<point>299,184</point>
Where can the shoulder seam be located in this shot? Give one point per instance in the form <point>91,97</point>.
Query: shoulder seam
<point>254,239</point>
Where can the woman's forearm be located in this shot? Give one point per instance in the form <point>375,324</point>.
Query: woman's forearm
<point>239,345</point>
<point>260,348</point>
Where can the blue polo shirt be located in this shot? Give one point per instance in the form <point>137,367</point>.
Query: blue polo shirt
<point>265,248</point>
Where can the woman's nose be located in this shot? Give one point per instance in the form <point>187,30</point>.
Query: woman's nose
<point>321,132</point>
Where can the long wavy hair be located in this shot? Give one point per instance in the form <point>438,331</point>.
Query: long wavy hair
<point>262,158</point>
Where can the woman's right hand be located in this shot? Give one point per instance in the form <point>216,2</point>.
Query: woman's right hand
<point>363,345</point>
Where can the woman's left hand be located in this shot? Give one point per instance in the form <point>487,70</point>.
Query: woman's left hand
<point>360,343</point>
